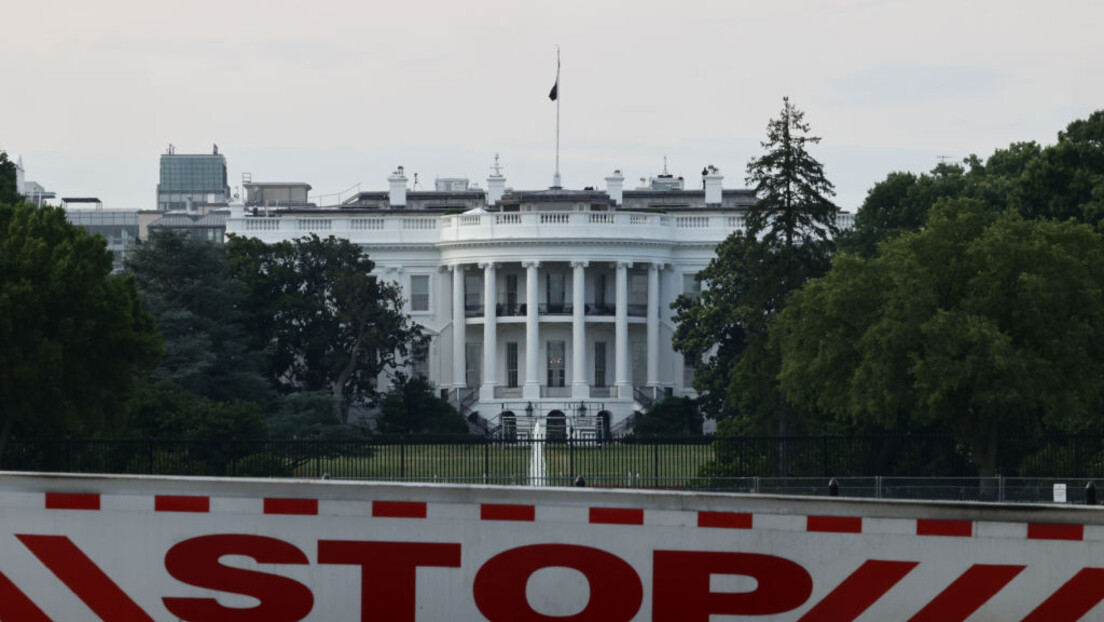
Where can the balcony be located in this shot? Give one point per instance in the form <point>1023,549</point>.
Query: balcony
<point>600,308</point>
<point>555,308</point>
<point>510,309</point>
<point>473,310</point>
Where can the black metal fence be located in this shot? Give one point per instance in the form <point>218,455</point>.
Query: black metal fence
<point>929,467</point>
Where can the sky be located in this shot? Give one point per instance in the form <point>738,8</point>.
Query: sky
<point>338,93</point>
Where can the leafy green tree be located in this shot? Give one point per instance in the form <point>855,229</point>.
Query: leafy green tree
<point>334,327</point>
<point>986,324</point>
<point>413,407</point>
<point>201,314</point>
<point>1066,180</point>
<point>674,416</point>
<point>9,194</point>
<point>787,242</point>
<point>73,338</point>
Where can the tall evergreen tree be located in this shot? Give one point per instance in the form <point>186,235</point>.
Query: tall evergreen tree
<point>789,240</point>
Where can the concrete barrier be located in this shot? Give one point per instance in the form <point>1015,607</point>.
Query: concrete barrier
<point>160,548</point>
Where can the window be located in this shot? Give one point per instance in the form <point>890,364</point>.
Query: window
<point>600,289</point>
<point>691,286</point>
<point>638,351</point>
<point>473,362</point>
<point>599,363</point>
<point>688,366</point>
<point>473,294</point>
<point>419,363</point>
<point>638,289</point>
<point>556,354</point>
<point>419,292</point>
<point>511,364</point>
<point>511,290</point>
<point>555,292</point>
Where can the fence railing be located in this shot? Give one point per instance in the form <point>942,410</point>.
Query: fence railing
<point>921,467</point>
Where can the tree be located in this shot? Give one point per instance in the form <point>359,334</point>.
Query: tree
<point>787,242</point>
<point>9,193</point>
<point>332,325</point>
<point>73,338</point>
<point>200,312</point>
<point>412,407</point>
<point>673,416</point>
<point>986,324</point>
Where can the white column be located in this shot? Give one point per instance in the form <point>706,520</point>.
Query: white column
<point>459,328</point>
<point>579,387</point>
<point>531,389</point>
<point>490,333</point>
<point>621,333</point>
<point>653,325</point>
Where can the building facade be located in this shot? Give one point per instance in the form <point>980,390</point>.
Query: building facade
<point>191,180</point>
<point>546,306</point>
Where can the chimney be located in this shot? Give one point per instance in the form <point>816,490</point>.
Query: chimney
<point>496,184</point>
<point>614,185</point>
<point>398,188</point>
<point>712,178</point>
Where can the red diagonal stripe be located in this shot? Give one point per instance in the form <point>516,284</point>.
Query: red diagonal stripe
<point>504,511</point>
<point>725,520</point>
<point>834,524</point>
<point>617,516</point>
<point>1073,600</point>
<point>14,604</point>
<point>81,575</point>
<point>951,528</point>
<point>168,503</point>
<point>399,509</point>
<point>72,501</point>
<point>858,591</point>
<point>1054,531</point>
<point>301,507</point>
<point>969,592</point>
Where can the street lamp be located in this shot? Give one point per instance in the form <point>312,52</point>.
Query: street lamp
<point>529,410</point>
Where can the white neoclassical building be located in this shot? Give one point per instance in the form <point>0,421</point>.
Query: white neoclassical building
<point>550,305</point>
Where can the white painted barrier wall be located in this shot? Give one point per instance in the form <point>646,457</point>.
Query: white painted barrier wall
<point>143,548</point>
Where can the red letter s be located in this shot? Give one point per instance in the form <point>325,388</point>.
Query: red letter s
<point>196,562</point>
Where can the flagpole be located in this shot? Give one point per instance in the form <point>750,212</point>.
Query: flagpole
<point>556,177</point>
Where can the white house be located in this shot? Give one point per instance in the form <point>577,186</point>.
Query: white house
<point>550,305</point>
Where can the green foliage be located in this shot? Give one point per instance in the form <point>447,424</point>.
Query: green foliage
<point>9,194</point>
<point>985,324</point>
<point>788,241</point>
<point>73,338</point>
<point>166,412</point>
<point>1061,181</point>
<point>333,326</point>
<point>413,407</point>
<point>673,416</point>
<point>201,314</point>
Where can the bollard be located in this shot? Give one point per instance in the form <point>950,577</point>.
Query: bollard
<point>1090,494</point>
<point>580,482</point>
<point>833,488</point>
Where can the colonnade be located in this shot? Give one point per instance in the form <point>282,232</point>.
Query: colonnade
<point>531,388</point>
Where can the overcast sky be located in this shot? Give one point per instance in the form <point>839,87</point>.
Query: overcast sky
<point>337,93</point>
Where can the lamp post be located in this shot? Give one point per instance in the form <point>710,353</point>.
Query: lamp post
<point>529,410</point>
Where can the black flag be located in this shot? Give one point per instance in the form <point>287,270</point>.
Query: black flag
<point>555,92</point>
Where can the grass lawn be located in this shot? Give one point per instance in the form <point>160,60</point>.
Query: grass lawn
<point>627,465</point>
<point>502,464</point>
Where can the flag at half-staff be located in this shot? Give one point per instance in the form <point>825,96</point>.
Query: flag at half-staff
<point>554,94</point>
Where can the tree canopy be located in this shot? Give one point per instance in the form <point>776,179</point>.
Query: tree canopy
<point>9,193</point>
<point>987,324</point>
<point>73,338</point>
<point>333,325</point>
<point>788,240</point>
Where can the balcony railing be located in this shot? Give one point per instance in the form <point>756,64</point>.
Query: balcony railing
<point>511,309</point>
<point>600,308</point>
<point>473,310</point>
<point>555,308</point>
